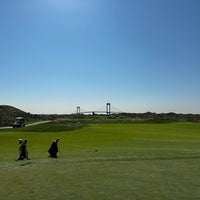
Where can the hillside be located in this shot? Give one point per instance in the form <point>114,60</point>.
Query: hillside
<point>8,114</point>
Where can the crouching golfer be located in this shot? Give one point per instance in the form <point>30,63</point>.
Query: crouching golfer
<point>23,153</point>
<point>53,150</point>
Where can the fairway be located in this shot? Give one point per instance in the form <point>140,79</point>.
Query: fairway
<point>119,161</point>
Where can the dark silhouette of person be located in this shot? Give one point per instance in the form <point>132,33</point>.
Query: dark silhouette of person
<point>23,152</point>
<point>53,150</point>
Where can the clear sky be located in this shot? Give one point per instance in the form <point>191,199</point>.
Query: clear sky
<point>139,55</point>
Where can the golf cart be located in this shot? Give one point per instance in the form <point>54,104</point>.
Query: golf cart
<point>19,122</point>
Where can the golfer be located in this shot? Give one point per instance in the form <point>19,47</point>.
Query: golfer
<point>53,150</point>
<point>23,153</point>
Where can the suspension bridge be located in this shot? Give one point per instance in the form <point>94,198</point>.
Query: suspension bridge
<point>107,111</point>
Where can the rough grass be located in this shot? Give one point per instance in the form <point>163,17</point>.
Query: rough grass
<point>103,161</point>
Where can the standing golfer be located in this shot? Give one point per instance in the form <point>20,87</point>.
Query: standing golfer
<point>53,150</point>
<point>23,153</point>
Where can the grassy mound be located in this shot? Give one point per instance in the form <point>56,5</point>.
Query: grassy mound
<point>49,127</point>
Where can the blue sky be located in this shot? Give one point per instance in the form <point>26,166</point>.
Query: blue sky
<point>139,55</point>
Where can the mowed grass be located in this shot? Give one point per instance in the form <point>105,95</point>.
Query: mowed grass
<point>103,161</point>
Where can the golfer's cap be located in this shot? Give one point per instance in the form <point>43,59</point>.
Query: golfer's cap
<point>20,141</point>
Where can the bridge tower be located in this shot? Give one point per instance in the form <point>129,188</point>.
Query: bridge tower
<point>108,109</point>
<point>78,110</point>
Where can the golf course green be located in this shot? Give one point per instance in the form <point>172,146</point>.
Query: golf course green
<point>119,161</point>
